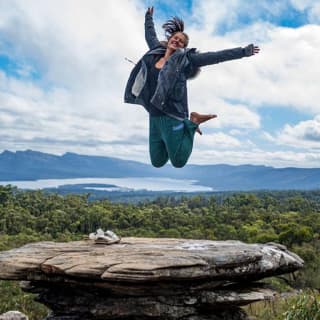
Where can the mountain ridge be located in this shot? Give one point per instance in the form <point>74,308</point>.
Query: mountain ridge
<point>35,165</point>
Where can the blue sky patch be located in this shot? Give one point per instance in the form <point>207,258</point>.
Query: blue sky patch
<point>7,65</point>
<point>280,13</point>
<point>16,69</point>
<point>274,118</point>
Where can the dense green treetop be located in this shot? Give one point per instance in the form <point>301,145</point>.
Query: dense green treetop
<point>289,217</point>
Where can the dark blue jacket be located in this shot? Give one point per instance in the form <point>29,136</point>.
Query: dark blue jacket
<point>170,95</point>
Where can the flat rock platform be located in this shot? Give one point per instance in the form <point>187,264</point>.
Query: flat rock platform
<point>147,278</point>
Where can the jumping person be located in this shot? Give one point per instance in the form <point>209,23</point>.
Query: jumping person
<point>158,83</point>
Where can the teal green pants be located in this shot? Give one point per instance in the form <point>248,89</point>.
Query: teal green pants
<point>170,139</point>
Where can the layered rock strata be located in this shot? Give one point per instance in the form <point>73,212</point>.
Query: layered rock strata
<point>144,278</point>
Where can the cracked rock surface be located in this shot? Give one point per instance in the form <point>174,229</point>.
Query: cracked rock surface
<point>147,278</point>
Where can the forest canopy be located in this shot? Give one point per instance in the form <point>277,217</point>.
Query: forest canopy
<point>291,218</point>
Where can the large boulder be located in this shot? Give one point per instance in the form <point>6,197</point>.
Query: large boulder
<point>144,278</point>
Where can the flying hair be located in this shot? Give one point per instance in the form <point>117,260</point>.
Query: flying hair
<point>173,26</point>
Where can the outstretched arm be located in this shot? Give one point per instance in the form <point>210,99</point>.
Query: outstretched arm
<point>149,30</point>
<point>207,58</point>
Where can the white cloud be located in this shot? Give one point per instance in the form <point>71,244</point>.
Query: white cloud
<point>216,16</point>
<point>284,73</point>
<point>217,140</point>
<point>77,49</point>
<point>302,4</point>
<point>306,134</point>
<point>79,52</point>
<point>314,15</point>
<point>311,7</point>
<point>268,137</point>
<point>256,157</point>
<point>228,115</point>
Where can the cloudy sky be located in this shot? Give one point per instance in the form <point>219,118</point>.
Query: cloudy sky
<point>63,73</point>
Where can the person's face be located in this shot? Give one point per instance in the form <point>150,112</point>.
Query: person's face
<point>178,40</point>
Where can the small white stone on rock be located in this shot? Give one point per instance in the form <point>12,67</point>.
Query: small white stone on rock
<point>13,315</point>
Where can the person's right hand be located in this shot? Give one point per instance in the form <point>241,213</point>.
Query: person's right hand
<point>150,11</point>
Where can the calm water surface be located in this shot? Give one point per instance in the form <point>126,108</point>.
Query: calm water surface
<point>151,184</point>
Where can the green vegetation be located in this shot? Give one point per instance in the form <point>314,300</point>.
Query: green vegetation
<point>304,305</point>
<point>291,218</point>
<point>13,298</point>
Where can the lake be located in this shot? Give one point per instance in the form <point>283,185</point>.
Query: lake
<point>149,183</point>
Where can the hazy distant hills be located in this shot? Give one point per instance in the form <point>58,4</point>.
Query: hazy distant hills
<point>33,165</point>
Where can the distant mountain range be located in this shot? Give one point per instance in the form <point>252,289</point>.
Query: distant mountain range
<point>33,165</point>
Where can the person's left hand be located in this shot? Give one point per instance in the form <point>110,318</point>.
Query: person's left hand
<point>251,49</point>
<point>256,49</point>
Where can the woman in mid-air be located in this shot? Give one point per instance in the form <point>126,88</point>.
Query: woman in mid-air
<point>158,83</point>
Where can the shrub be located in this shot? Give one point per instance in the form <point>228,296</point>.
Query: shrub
<point>305,307</point>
